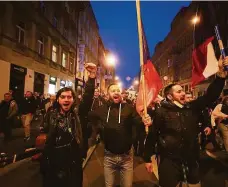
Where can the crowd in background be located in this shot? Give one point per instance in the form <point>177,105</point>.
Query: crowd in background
<point>15,113</point>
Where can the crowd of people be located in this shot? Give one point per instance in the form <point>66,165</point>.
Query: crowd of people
<point>179,127</point>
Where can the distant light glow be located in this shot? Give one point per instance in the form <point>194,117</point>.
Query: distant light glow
<point>195,20</point>
<point>111,60</point>
<point>136,82</point>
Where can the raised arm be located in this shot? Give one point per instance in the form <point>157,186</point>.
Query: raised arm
<point>214,90</point>
<point>87,97</point>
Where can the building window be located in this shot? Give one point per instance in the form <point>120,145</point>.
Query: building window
<point>42,6</point>
<point>169,63</point>
<point>40,42</point>
<point>65,33</point>
<point>64,60</point>
<point>67,7</point>
<point>54,54</point>
<point>71,64</point>
<point>55,22</point>
<point>20,33</point>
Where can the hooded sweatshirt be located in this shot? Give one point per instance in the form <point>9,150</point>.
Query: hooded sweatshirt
<point>117,124</point>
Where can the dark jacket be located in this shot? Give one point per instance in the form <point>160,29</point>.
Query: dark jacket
<point>175,130</point>
<point>97,102</point>
<point>117,124</point>
<point>51,119</point>
<point>61,163</point>
<point>28,105</point>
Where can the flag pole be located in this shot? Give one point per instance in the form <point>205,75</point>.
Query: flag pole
<point>142,78</point>
<point>217,33</point>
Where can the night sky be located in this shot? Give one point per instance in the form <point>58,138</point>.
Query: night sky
<point>118,29</point>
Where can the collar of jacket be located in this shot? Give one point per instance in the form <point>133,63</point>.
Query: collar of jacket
<point>168,104</point>
<point>113,105</point>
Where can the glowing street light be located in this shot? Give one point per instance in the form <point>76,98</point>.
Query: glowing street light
<point>117,78</point>
<point>195,20</point>
<point>120,84</point>
<point>128,78</point>
<point>111,60</point>
<point>136,82</point>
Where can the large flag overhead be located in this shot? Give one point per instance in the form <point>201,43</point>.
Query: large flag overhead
<point>153,83</point>
<point>204,61</point>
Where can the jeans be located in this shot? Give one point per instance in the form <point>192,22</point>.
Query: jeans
<point>224,131</point>
<point>122,163</point>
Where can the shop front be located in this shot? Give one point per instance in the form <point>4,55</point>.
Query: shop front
<point>62,84</point>
<point>17,81</point>
<point>66,83</point>
<point>52,85</point>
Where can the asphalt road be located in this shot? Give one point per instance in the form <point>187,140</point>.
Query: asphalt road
<point>27,174</point>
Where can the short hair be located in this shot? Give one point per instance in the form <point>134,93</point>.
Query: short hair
<point>112,84</point>
<point>168,89</point>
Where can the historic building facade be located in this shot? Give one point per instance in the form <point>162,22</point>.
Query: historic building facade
<point>173,55</point>
<point>38,46</point>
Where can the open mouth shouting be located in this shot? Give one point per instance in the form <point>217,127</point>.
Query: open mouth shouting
<point>66,106</point>
<point>116,98</point>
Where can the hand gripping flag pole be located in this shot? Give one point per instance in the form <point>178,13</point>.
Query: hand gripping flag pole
<point>142,78</point>
<point>217,33</point>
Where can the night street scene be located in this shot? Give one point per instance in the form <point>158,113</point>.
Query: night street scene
<point>114,93</point>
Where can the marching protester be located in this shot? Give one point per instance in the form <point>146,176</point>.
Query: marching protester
<point>8,109</point>
<point>125,95</point>
<point>117,119</point>
<point>92,128</point>
<point>27,109</point>
<point>61,164</point>
<point>50,103</point>
<point>206,134</point>
<point>220,113</point>
<point>175,131</point>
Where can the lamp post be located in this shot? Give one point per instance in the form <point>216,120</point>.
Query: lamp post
<point>165,79</point>
<point>110,60</point>
<point>116,78</point>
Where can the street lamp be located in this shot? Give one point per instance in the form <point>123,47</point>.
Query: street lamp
<point>165,79</point>
<point>195,20</point>
<point>120,84</point>
<point>117,78</point>
<point>136,82</point>
<point>111,60</point>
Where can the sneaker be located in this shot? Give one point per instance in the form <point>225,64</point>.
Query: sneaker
<point>27,138</point>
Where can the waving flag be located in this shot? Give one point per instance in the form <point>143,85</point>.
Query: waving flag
<point>204,61</point>
<point>153,83</point>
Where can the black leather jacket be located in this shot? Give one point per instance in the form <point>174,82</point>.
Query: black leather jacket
<point>175,130</point>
